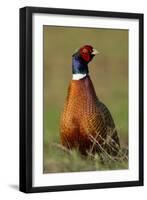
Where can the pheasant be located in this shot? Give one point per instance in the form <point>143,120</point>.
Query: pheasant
<point>86,123</point>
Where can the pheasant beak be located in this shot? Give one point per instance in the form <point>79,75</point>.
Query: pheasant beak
<point>94,52</point>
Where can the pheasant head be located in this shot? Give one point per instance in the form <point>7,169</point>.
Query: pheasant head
<point>80,60</point>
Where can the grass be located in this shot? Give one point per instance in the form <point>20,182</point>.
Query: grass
<point>109,74</point>
<point>63,160</point>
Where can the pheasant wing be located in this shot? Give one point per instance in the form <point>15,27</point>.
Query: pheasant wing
<point>112,144</point>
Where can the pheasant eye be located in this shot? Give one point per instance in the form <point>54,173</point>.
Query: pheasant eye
<point>85,51</point>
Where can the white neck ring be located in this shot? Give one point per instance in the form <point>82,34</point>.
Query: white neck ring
<point>78,76</point>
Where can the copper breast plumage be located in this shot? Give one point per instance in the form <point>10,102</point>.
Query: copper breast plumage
<point>86,119</point>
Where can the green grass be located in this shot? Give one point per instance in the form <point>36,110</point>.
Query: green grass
<point>72,161</point>
<point>109,74</point>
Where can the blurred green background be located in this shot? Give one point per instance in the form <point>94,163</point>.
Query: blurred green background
<point>109,74</point>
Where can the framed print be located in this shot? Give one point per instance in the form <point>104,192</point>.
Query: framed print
<point>81,99</point>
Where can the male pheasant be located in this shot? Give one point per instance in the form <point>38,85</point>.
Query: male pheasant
<point>86,123</point>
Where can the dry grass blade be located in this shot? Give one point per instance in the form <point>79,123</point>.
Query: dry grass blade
<point>61,147</point>
<point>101,148</point>
<point>122,153</point>
<point>110,144</point>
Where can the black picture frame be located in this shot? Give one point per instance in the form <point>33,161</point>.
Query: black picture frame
<point>26,73</point>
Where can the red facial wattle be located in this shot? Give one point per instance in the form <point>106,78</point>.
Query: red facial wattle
<point>85,53</point>
<point>86,57</point>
